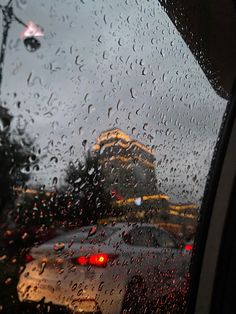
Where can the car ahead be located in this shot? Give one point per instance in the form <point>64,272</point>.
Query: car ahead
<point>107,269</point>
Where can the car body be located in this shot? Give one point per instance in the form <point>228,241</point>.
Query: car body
<point>94,268</point>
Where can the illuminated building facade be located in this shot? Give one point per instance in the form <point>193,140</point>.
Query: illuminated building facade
<point>128,165</point>
<point>129,170</point>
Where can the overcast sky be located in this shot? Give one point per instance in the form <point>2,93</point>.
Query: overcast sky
<point>110,63</point>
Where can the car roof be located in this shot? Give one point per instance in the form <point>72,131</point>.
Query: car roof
<point>121,225</point>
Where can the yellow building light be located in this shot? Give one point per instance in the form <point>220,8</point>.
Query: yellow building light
<point>144,198</point>
<point>183,207</point>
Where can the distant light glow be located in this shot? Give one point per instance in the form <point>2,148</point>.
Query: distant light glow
<point>188,247</point>
<point>28,258</point>
<point>138,201</point>
<point>99,259</point>
<point>31,30</point>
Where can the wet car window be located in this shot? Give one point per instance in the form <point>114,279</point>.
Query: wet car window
<point>107,130</point>
<point>140,237</point>
<point>83,235</point>
<point>163,239</point>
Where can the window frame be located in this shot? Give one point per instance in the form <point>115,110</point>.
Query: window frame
<point>214,209</point>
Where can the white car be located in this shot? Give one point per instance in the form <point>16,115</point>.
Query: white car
<point>106,269</point>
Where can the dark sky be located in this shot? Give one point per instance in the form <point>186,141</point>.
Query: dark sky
<point>105,64</point>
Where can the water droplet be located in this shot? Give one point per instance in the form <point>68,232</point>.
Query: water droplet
<point>43,265</point>
<point>162,53</point>
<point>145,126</point>
<point>120,42</point>
<point>105,55</point>
<point>59,246</point>
<point>84,144</point>
<point>8,281</point>
<point>101,285</point>
<point>36,167</point>
<point>109,112</point>
<point>54,181</point>
<point>54,159</point>
<point>105,19</point>
<point>86,97</point>
<point>100,39</point>
<point>77,60</point>
<point>91,171</point>
<point>144,71</point>
<point>132,93</point>
<point>90,108</point>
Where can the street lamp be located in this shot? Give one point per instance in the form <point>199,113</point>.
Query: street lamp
<point>31,43</point>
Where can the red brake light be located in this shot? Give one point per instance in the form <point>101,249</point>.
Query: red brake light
<point>188,247</point>
<point>99,260</point>
<point>82,260</point>
<point>28,258</point>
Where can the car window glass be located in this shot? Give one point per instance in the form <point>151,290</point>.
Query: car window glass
<point>163,239</point>
<point>107,120</point>
<point>140,237</point>
<point>82,235</point>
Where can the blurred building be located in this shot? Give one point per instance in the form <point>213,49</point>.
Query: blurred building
<point>127,164</point>
<point>129,170</point>
<point>189,213</point>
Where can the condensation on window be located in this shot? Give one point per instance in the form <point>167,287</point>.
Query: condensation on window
<point>107,126</point>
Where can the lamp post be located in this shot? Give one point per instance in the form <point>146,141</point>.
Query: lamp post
<point>31,43</point>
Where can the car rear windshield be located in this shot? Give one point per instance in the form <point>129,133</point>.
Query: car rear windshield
<point>86,235</point>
